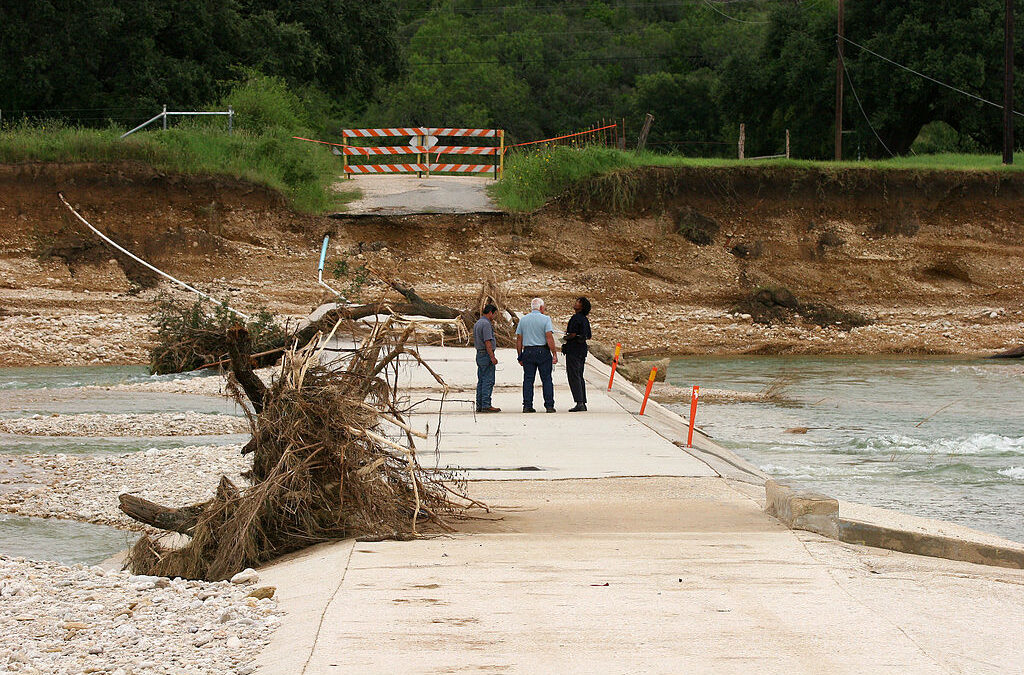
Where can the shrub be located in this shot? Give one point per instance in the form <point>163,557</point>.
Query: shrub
<point>190,336</point>
<point>265,104</point>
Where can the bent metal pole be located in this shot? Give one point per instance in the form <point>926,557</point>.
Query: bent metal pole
<point>320,268</point>
<point>146,264</point>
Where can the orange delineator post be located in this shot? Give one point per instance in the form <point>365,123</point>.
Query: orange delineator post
<point>693,415</point>
<point>615,363</point>
<point>647,394</point>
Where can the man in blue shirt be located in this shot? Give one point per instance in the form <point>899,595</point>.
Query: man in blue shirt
<point>483,340</point>
<point>535,343</point>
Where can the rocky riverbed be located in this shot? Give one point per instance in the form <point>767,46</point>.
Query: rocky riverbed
<point>199,385</point>
<point>58,619</point>
<point>86,487</point>
<point>129,424</point>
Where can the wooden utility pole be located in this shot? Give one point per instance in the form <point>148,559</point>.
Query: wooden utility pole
<point>839,83</point>
<point>1008,85</point>
<point>742,144</point>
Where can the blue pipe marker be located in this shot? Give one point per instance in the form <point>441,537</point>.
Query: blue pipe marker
<point>323,253</point>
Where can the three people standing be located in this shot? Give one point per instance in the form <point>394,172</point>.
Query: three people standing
<point>535,344</point>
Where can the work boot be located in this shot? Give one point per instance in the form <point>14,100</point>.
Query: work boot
<point>579,407</point>
<point>549,410</point>
<point>489,409</point>
<point>527,409</point>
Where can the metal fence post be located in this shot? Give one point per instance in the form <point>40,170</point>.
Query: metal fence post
<point>164,113</point>
<point>743,140</point>
<point>231,119</point>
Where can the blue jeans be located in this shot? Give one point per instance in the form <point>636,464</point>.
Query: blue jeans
<point>537,359</point>
<point>484,380</point>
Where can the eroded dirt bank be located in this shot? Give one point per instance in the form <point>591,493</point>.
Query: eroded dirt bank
<point>933,258</point>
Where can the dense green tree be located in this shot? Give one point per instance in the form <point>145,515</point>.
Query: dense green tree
<point>536,68</point>
<point>959,43</point>
<point>788,84</point>
<point>106,55</point>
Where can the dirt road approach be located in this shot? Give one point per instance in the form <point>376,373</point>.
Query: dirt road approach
<point>642,558</point>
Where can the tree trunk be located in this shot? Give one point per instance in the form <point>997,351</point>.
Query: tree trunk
<point>181,520</point>
<point>239,351</point>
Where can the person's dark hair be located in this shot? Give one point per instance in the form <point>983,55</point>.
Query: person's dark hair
<point>488,308</point>
<point>585,304</point>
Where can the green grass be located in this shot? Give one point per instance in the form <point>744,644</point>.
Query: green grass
<point>531,179</point>
<point>303,172</point>
<point>938,162</point>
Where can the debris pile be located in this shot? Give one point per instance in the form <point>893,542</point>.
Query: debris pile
<point>333,456</point>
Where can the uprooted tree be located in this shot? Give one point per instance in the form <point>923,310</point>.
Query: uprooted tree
<point>333,454</point>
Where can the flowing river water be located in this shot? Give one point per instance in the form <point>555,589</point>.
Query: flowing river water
<point>936,437</point>
<point>33,391</point>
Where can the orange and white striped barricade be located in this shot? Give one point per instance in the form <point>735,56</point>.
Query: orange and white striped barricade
<point>497,151</point>
<point>423,142</point>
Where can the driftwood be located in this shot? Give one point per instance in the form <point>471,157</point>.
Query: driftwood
<point>241,367</point>
<point>1012,353</point>
<point>181,520</point>
<point>422,308</point>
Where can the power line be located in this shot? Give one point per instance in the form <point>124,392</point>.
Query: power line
<point>643,5</point>
<point>927,77</point>
<point>462,36</point>
<point>857,99</point>
<point>515,62</point>
<point>739,20</point>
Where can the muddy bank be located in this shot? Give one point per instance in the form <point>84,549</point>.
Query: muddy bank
<point>932,259</point>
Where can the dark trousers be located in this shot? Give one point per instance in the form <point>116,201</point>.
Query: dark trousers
<point>574,369</point>
<point>537,359</point>
<point>484,380</point>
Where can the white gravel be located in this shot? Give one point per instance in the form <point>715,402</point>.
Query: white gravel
<point>211,385</point>
<point>57,619</point>
<point>126,424</point>
<point>86,487</point>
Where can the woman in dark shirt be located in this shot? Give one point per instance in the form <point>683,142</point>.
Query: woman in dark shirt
<point>575,349</point>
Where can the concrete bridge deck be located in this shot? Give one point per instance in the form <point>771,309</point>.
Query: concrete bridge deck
<point>620,552</point>
<point>403,195</point>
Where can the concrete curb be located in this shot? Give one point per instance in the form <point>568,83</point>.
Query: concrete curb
<point>800,510</point>
<point>936,546</point>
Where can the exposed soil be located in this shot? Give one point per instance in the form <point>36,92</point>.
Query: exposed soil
<point>932,258</point>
